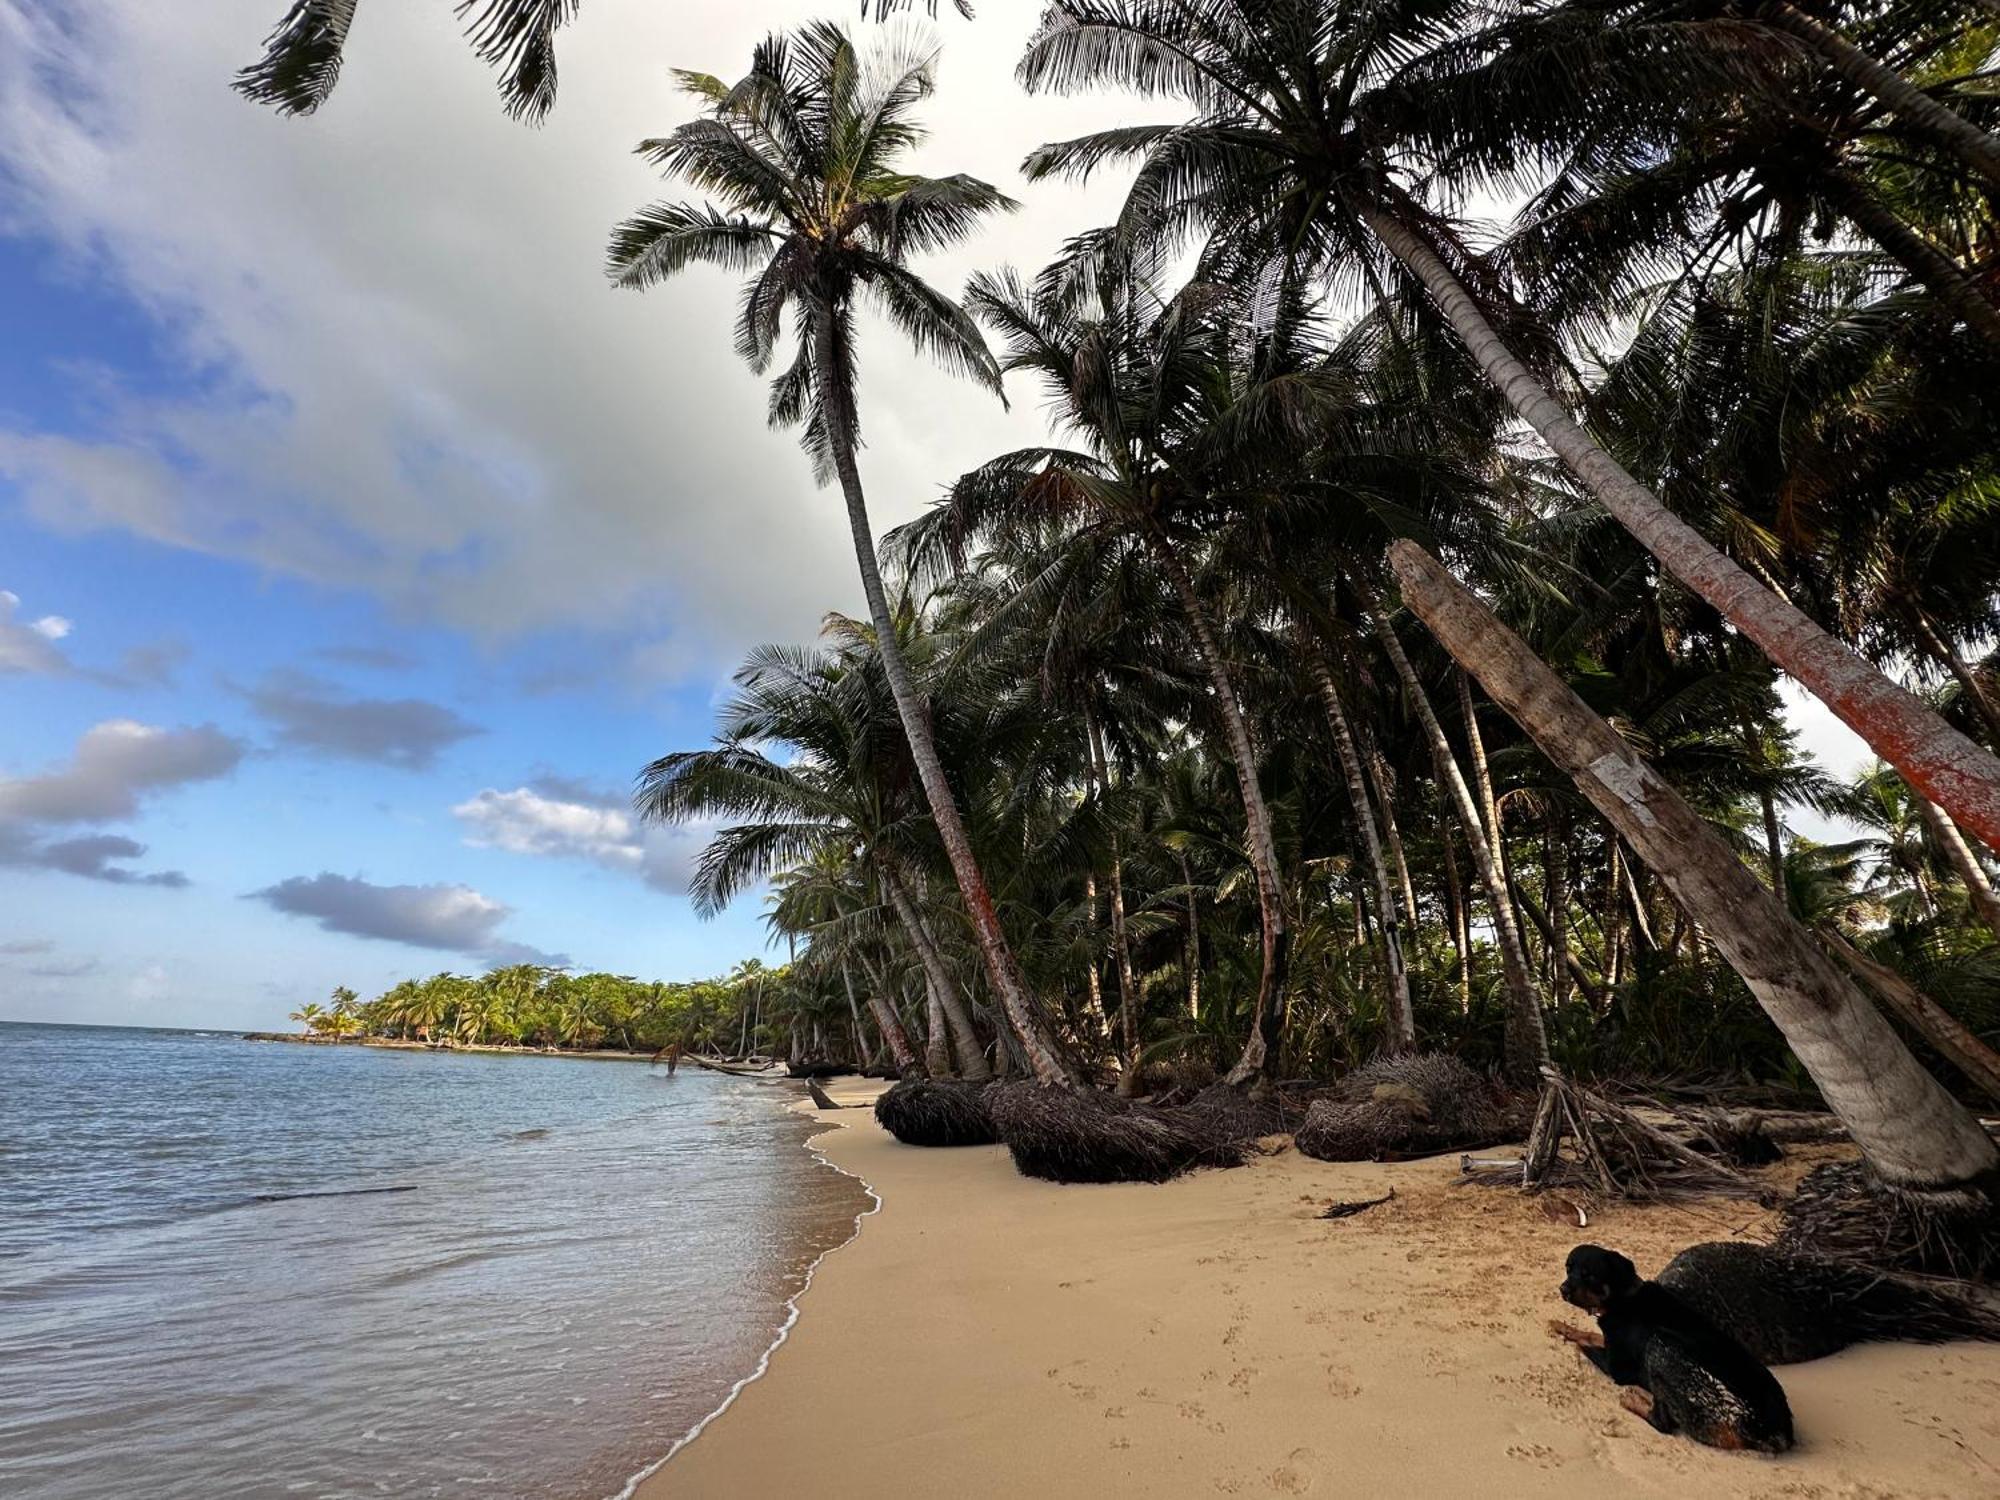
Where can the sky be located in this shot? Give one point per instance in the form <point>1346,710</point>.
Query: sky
<point>358,542</point>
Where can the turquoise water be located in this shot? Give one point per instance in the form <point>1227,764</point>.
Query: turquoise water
<point>206,1291</point>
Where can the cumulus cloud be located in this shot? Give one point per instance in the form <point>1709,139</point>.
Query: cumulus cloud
<point>317,717</point>
<point>115,765</point>
<point>29,646</point>
<point>559,818</point>
<point>455,918</point>
<point>497,440</point>
<point>91,857</point>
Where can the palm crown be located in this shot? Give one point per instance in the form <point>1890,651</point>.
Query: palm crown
<point>800,159</point>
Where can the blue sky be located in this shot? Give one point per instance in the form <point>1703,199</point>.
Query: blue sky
<point>358,544</point>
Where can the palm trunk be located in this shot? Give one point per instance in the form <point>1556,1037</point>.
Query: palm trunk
<point>1969,679</point>
<point>1936,759</point>
<point>1555,877</point>
<point>1915,108</point>
<point>1002,971</point>
<point>937,1033</point>
<point>1482,786</point>
<point>1572,967</point>
<point>1260,1053</point>
<point>1456,897</point>
<point>1526,1046</point>
<point>1915,1135</point>
<point>1774,833</point>
<point>1402,1018</point>
<point>937,977</point>
<point>1978,889</point>
<point>889,1022</point>
<point>1945,278</point>
<point>1193,943</point>
<point>1093,991</point>
<point>1128,988</point>
<point>1614,910</point>
<point>1384,785</point>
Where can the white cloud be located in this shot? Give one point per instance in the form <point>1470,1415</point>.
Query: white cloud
<point>407,372</point>
<point>563,820</point>
<point>115,764</point>
<point>28,646</point>
<point>456,918</point>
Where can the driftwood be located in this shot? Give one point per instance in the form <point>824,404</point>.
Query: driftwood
<point>1357,1206</point>
<point>825,1100</point>
<point>730,1068</point>
<point>1611,1151</point>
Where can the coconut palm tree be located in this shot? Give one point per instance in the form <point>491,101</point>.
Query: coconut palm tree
<point>802,157</point>
<point>844,790</point>
<point>1294,154</point>
<point>311,1017</point>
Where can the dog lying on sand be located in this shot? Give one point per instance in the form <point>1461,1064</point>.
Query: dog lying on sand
<point>1681,1372</point>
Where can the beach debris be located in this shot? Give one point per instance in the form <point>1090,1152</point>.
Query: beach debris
<point>824,1100</point>
<point>1084,1135</point>
<point>1400,1107</point>
<point>1786,1308</point>
<point>1580,1139</point>
<point>1565,1211</point>
<point>937,1112</point>
<point>1840,1210</point>
<point>1357,1206</point>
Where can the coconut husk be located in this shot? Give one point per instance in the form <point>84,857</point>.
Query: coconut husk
<point>1841,1210</point>
<point>1404,1106</point>
<point>1082,1135</point>
<point>937,1112</point>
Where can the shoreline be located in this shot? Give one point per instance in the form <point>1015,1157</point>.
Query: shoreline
<point>639,1482</point>
<point>398,1044</point>
<point>1002,1335</point>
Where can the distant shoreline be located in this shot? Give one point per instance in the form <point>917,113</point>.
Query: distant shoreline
<point>393,1044</point>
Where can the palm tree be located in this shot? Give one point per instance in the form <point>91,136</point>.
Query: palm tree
<point>1293,155</point>
<point>310,1016</point>
<point>843,792</point>
<point>802,155</point>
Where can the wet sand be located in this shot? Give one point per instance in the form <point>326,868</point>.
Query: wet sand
<point>986,1335</point>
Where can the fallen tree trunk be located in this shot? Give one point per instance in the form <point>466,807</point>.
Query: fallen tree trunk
<point>1917,1138</point>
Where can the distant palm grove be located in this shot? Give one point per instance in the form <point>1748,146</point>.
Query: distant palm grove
<point>753,1008</point>
<point>1469,414</point>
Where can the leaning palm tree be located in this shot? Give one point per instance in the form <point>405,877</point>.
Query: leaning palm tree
<point>311,1016</point>
<point>1303,149</point>
<point>802,157</point>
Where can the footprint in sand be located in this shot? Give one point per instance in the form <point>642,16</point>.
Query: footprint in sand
<point>1295,1476</point>
<point>1240,1381</point>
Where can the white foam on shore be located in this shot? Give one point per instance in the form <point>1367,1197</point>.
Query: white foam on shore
<point>784,1330</point>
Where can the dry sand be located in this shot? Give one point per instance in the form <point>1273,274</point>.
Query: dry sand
<point>986,1335</point>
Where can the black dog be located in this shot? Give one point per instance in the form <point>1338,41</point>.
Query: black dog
<point>1683,1374</point>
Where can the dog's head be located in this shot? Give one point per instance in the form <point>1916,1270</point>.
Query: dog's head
<point>1596,1277</point>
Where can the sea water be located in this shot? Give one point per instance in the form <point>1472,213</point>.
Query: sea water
<point>231,1268</point>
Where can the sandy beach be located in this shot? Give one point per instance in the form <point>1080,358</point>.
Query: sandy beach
<point>987,1335</point>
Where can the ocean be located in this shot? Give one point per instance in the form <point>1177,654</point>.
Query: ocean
<point>232,1268</point>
